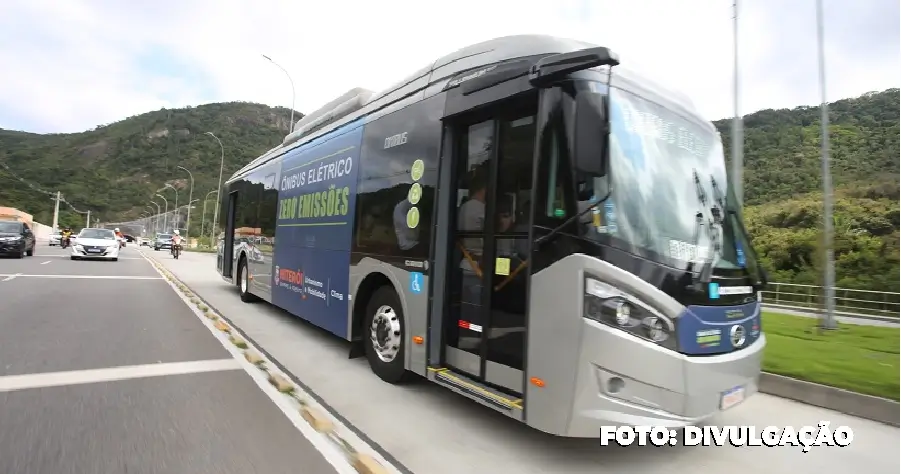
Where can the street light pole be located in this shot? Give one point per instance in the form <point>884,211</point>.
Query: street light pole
<point>203,215</point>
<point>293,95</point>
<point>153,218</point>
<point>176,210</point>
<point>219,193</point>
<point>156,226</point>
<point>166,214</point>
<point>829,270</point>
<point>737,130</point>
<point>190,194</point>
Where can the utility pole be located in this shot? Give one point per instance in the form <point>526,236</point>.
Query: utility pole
<point>829,270</point>
<point>56,213</point>
<point>89,219</point>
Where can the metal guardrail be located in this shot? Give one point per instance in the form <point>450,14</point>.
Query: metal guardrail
<point>848,302</point>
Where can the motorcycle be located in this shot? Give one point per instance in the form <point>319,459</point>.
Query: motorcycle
<point>64,242</point>
<point>176,249</point>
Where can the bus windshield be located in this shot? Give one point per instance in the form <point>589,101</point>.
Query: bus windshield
<point>670,198</point>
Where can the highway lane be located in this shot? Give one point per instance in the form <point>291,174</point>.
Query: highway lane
<point>184,405</point>
<point>431,430</point>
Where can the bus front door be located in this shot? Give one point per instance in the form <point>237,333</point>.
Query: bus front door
<point>485,330</point>
<point>228,239</point>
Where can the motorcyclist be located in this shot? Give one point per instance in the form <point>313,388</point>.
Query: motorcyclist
<point>66,236</point>
<point>120,238</point>
<point>176,240</point>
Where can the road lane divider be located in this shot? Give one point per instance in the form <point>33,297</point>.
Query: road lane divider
<point>310,417</point>
<point>9,383</point>
<point>10,276</point>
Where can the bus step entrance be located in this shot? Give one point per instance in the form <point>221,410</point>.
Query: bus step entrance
<point>477,391</point>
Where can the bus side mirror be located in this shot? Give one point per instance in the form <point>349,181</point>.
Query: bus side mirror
<point>550,69</point>
<point>591,134</point>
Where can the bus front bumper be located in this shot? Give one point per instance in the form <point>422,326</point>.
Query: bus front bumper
<point>627,381</point>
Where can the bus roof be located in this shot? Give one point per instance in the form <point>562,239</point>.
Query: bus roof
<point>359,102</point>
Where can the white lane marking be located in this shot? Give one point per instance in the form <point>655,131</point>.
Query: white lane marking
<point>67,256</point>
<point>329,451</point>
<point>45,263</point>
<point>109,374</point>
<point>77,277</point>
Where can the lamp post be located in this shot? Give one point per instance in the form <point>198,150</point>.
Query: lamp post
<point>203,215</point>
<point>166,215</point>
<point>737,129</point>
<point>829,270</point>
<point>177,214</point>
<point>219,191</point>
<point>156,226</point>
<point>153,218</point>
<point>190,194</point>
<point>293,95</point>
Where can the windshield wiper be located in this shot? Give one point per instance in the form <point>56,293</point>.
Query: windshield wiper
<point>705,273</point>
<point>556,230</point>
<point>721,198</point>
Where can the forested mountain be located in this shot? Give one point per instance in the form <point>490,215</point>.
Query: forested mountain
<point>115,169</point>
<point>783,190</point>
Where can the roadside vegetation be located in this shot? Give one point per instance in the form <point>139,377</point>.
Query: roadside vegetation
<point>862,359</point>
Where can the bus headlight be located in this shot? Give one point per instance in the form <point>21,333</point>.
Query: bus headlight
<point>612,307</point>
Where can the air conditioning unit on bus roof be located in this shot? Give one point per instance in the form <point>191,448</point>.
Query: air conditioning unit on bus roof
<point>347,103</point>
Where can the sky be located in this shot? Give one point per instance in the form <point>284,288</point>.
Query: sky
<point>69,66</point>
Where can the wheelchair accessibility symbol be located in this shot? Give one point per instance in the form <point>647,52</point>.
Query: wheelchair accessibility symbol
<point>416,282</point>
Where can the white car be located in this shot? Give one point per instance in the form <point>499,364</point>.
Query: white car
<point>95,243</point>
<point>54,239</point>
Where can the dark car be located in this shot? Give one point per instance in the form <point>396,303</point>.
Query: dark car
<point>163,241</point>
<point>16,239</point>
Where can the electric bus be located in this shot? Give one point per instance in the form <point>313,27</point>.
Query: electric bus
<point>523,221</point>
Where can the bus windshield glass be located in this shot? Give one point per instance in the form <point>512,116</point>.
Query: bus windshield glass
<point>670,198</point>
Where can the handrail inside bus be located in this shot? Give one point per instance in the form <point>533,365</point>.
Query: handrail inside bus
<point>478,271</point>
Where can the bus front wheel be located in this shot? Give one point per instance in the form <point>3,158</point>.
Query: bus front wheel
<point>383,336</point>
<point>244,282</point>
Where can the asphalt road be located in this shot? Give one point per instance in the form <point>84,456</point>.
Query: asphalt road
<point>430,430</point>
<point>186,406</point>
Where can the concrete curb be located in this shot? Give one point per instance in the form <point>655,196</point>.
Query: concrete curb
<point>310,411</point>
<point>873,408</point>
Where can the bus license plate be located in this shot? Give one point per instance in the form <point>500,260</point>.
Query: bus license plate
<point>732,397</point>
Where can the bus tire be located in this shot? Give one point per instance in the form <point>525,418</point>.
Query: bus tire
<point>244,282</point>
<point>383,336</point>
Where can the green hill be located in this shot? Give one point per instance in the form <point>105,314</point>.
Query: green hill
<point>783,190</point>
<point>115,169</point>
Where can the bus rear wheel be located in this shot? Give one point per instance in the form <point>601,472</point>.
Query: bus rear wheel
<point>383,336</point>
